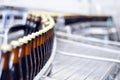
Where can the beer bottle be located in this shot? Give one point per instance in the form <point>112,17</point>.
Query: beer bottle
<point>43,46</point>
<point>22,59</point>
<point>29,56</point>
<point>41,50</point>
<point>50,40</point>
<point>37,22</point>
<point>4,62</point>
<point>43,20</point>
<point>32,25</point>
<point>47,38</point>
<point>35,51</point>
<point>46,43</point>
<point>15,69</point>
<point>27,25</point>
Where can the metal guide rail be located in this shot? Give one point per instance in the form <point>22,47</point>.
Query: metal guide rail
<point>89,40</point>
<point>77,60</point>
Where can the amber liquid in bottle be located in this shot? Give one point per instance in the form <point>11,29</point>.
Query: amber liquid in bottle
<point>29,60</point>
<point>38,53</point>
<point>4,70</point>
<point>23,61</point>
<point>41,51</point>
<point>33,58</point>
<point>48,44</point>
<point>15,65</point>
<point>37,57</point>
<point>46,47</point>
<point>43,47</point>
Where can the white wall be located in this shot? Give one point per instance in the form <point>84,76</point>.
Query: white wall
<point>90,7</point>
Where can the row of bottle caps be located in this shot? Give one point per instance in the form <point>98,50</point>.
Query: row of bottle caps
<point>38,41</point>
<point>48,24</point>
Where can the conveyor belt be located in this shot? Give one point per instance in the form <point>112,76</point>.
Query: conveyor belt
<point>65,67</point>
<point>74,68</point>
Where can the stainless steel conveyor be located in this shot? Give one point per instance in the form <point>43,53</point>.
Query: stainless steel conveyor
<point>81,58</point>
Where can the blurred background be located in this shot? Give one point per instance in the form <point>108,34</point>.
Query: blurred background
<point>87,34</point>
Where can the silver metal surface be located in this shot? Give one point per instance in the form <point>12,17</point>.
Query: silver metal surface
<point>77,60</point>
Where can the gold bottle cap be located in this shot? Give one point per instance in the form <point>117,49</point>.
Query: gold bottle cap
<point>47,23</point>
<point>15,43</point>
<point>29,37</point>
<point>44,19</point>
<point>6,47</point>
<point>22,41</point>
<point>44,30</point>
<point>40,32</point>
<point>26,39</point>
<point>33,35</point>
<point>37,33</point>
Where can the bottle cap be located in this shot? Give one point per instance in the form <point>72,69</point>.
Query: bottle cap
<point>15,43</point>
<point>40,32</point>
<point>37,33</point>
<point>6,47</point>
<point>25,40</point>
<point>29,37</point>
<point>22,41</point>
<point>33,35</point>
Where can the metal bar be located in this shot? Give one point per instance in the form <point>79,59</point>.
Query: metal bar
<point>72,36</point>
<point>89,57</point>
<point>91,46</point>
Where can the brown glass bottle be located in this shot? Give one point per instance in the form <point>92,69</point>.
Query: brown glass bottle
<point>35,51</point>
<point>51,37</point>
<point>37,22</point>
<point>22,59</point>
<point>50,40</point>
<point>32,25</point>
<point>33,55</point>
<point>27,24</point>
<point>4,62</point>
<point>29,56</point>
<point>48,44</point>
<point>43,47</point>
<point>47,41</point>
<point>42,40</point>
<point>14,64</point>
<point>41,50</point>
